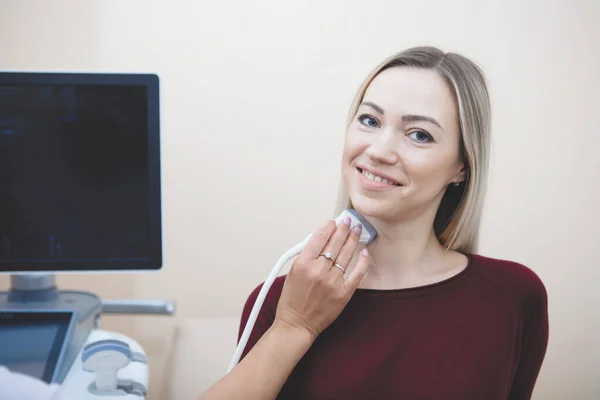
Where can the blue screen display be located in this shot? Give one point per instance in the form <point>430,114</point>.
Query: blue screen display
<point>35,341</point>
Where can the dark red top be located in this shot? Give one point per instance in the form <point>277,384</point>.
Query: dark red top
<point>480,335</point>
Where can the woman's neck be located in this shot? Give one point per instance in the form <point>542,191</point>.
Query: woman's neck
<point>408,254</point>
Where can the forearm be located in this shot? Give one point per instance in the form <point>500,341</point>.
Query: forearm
<point>262,373</point>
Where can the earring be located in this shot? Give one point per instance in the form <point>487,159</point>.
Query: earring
<point>456,183</point>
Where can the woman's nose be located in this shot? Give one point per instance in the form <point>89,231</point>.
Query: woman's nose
<point>383,149</point>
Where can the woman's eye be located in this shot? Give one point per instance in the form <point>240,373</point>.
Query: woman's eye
<point>368,121</point>
<point>421,136</point>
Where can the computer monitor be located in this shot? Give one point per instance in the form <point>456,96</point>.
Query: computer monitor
<point>80,186</point>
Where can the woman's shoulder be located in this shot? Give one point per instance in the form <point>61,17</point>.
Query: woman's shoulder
<point>272,297</point>
<point>511,276</point>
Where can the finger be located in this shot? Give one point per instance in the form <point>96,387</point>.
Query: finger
<point>346,254</point>
<point>337,240</point>
<point>318,241</point>
<point>360,269</point>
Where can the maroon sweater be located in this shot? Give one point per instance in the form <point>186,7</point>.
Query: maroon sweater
<point>480,335</point>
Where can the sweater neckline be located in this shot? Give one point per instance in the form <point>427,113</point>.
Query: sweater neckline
<point>425,288</point>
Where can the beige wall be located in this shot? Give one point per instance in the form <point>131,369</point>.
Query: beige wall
<point>255,95</point>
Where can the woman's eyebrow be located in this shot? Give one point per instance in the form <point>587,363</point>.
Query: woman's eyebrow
<point>413,118</point>
<point>405,118</point>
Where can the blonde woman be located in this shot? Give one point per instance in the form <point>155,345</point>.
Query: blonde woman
<point>417,315</point>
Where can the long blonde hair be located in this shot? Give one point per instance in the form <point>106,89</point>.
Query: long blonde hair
<point>458,218</point>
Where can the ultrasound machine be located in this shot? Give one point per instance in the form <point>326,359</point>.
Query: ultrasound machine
<point>80,191</point>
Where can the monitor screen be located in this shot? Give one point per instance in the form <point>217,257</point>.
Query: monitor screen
<point>79,172</point>
<point>36,340</point>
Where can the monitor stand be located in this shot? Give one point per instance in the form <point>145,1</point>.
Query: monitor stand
<point>41,289</point>
<point>33,288</point>
<point>39,292</point>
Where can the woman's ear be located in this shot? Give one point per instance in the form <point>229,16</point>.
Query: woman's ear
<point>461,175</point>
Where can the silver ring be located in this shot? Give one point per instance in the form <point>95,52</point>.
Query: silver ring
<point>328,255</point>
<point>340,267</point>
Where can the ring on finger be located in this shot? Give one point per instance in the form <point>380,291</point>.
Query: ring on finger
<point>340,267</point>
<point>328,256</point>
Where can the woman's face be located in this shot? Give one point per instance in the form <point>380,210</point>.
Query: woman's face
<point>403,146</point>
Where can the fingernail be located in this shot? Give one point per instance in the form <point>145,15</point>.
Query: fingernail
<point>347,220</point>
<point>365,252</point>
<point>358,228</point>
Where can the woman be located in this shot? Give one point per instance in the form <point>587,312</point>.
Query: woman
<point>420,316</point>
